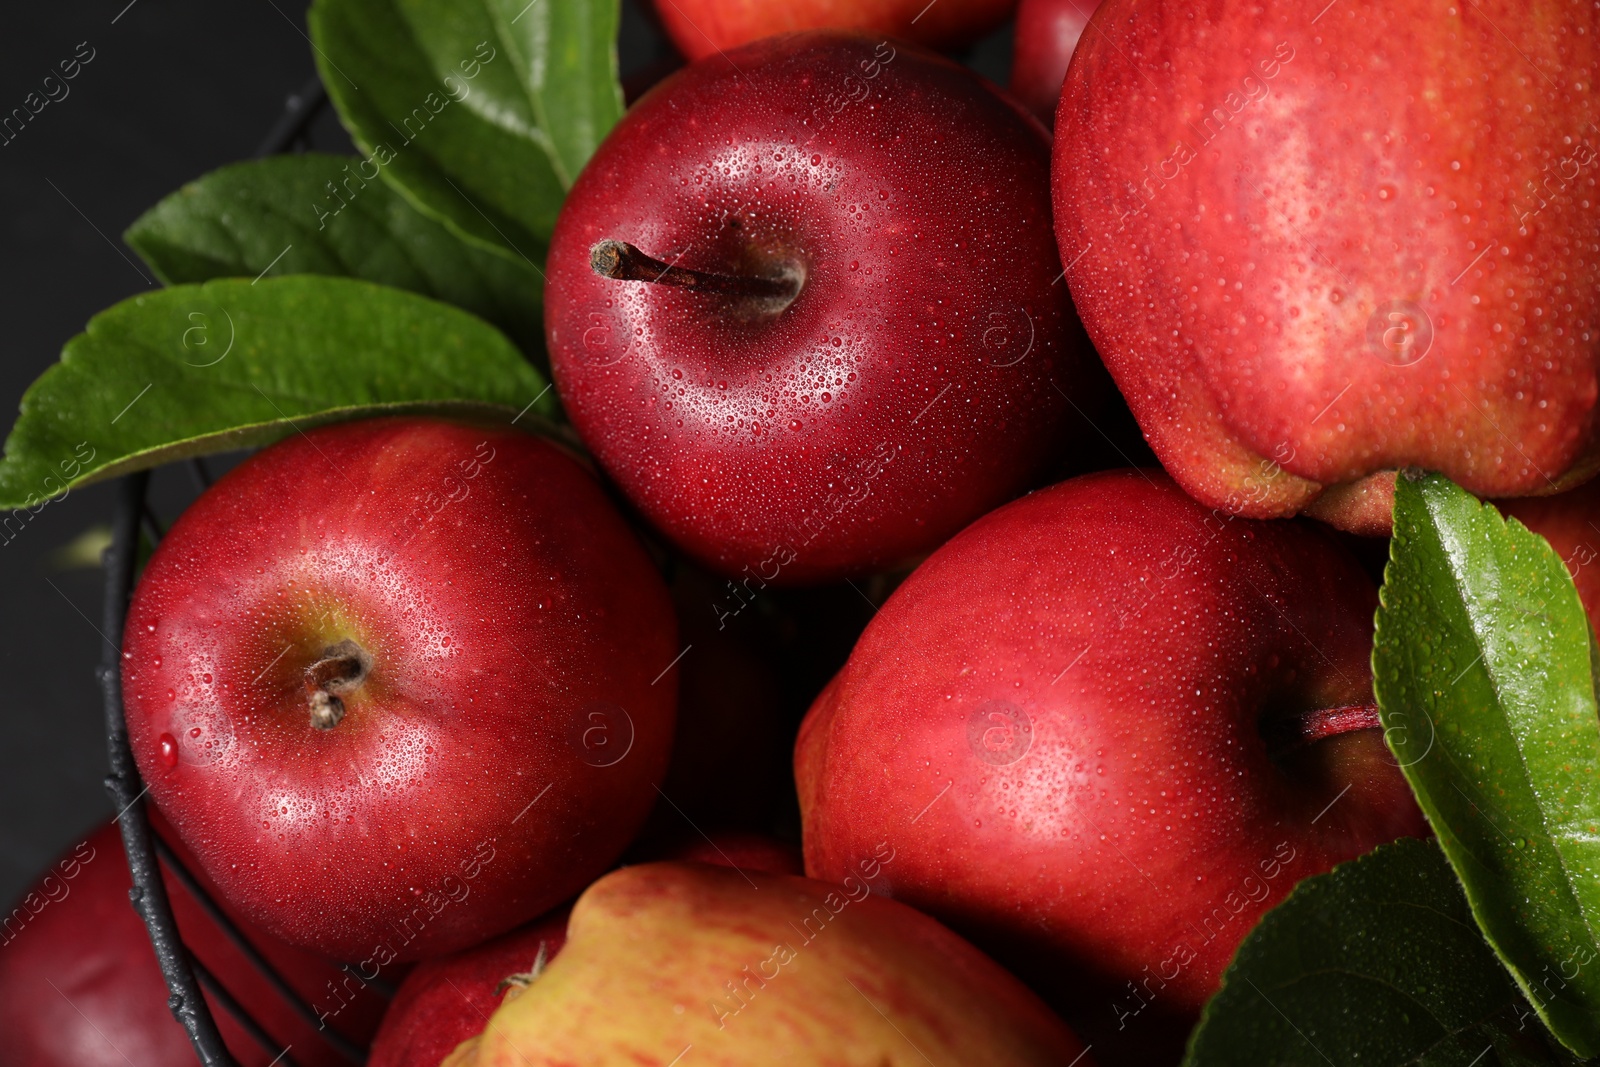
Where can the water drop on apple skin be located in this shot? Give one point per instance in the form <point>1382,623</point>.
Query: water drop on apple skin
<point>169,750</point>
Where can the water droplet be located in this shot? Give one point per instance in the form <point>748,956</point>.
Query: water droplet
<point>169,750</point>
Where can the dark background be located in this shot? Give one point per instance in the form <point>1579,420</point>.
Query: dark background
<point>176,88</point>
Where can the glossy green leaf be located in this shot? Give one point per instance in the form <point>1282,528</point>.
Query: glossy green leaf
<point>1485,674</point>
<point>317,214</point>
<point>235,364</point>
<point>480,111</point>
<point>1376,963</point>
<point>568,48</point>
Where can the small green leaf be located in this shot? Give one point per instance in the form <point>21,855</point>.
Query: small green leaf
<point>1378,963</point>
<point>320,214</point>
<point>481,111</point>
<point>235,364</point>
<point>1484,670</point>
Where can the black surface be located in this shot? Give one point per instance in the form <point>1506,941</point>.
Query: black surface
<point>175,88</point>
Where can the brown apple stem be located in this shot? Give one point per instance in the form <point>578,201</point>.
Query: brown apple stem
<point>623,262</point>
<point>1308,727</point>
<point>340,671</point>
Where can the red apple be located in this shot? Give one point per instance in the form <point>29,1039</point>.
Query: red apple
<point>702,28</point>
<point>401,684</point>
<point>447,1001</point>
<point>79,983</point>
<point>730,754</point>
<point>1571,523</point>
<point>723,969</point>
<point>1047,33</point>
<point>740,850</point>
<point>850,345</point>
<point>1107,728</point>
<point>444,1002</point>
<point>1317,245</point>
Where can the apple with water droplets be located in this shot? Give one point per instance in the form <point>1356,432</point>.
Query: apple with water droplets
<point>401,684</point>
<point>1108,728</point>
<point>1316,245</point>
<point>805,309</point>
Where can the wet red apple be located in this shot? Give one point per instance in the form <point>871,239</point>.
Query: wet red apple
<point>703,28</point>
<point>1571,523</point>
<point>1315,245</point>
<point>801,308</point>
<point>401,684</point>
<point>1107,728</point>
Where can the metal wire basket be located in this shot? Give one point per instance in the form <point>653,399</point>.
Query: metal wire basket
<point>186,977</point>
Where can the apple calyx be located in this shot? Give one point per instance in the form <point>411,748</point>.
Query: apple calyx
<point>340,671</point>
<point>623,262</point>
<point>1293,732</point>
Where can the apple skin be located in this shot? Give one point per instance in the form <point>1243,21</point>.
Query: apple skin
<point>1058,722</point>
<point>1047,33</point>
<point>817,441</point>
<point>499,624</point>
<point>1377,254</point>
<point>759,968</point>
<point>702,28</point>
<point>80,987</point>
<point>444,1002</point>
<point>1571,523</point>
<point>449,1000</point>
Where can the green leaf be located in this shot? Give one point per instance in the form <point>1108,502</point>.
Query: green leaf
<point>1484,670</point>
<point>569,49</point>
<point>1378,963</point>
<point>235,364</point>
<point>481,111</point>
<point>317,214</point>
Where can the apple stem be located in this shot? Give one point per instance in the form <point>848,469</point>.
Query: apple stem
<point>622,262</point>
<point>520,982</point>
<point>341,670</point>
<point>1314,725</point>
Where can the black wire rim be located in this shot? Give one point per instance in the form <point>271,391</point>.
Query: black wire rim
<point>185,976</point>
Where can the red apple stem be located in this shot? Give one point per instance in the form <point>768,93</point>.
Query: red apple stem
<point>622,262</point>
<point>1308,727</point>
<point>340,671</point>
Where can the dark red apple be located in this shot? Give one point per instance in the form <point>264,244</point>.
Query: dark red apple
<point>1107,728</point>
<point>739,850</point>
<point>1046,35</point>
<point>730,755</point>
<point>79,984</point>
<point>801,308</point>
<point>1317,244</point>
<point>702,28</point>
<point>401,684</point>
